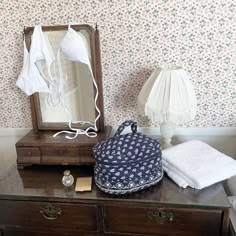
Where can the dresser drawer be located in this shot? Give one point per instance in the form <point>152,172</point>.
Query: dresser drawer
<point>50,216</point>
<point>162,220</point>
<point>66,155</point>
<point>28,155</point>
<point>59,154</point>
<point>10,232</point>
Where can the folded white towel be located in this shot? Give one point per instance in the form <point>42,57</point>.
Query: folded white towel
<point>182,180</point>
<point>196,164</point>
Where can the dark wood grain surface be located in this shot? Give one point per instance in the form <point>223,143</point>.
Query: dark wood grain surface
<point>45,181</point>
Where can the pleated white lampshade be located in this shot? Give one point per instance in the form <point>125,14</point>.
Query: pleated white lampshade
<point>168,96</point>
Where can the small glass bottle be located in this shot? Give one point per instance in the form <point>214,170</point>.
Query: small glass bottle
<point>67,178</point>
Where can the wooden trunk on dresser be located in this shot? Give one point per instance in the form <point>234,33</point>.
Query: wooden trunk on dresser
<point>33,202</point>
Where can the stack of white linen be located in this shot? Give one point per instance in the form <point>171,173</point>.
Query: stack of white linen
<point>196,164</point>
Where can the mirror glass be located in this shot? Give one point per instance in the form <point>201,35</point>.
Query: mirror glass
<point>75,100</point>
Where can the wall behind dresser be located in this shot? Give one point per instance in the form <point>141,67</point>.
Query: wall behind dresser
<point>136,36</point>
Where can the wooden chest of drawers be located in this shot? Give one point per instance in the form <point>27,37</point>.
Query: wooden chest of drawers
<point>42,148</point>
<point>34,202</point>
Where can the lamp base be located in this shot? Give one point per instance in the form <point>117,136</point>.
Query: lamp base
<point>167,129</point>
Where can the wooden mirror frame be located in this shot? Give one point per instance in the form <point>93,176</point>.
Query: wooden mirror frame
<point>96,67</point>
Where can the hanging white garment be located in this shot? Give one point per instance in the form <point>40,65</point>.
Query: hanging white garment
<point>39,63</point>
<point>30,80</point>
<point>74,47</point>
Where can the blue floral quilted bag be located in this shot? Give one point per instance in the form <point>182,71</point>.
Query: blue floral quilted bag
<point>127,163</point>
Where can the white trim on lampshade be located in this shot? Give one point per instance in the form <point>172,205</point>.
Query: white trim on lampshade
<point>168,95</point>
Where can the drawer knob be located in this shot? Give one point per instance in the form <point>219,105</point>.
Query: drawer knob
<point>50,212</point>
<point>160,215</point>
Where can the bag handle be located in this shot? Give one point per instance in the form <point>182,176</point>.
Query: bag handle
<point>126,123</point>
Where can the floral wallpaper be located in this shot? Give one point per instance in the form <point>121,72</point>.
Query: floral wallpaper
<point>136,36</point>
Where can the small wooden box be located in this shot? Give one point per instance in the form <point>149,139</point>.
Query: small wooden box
<point>42,148</point>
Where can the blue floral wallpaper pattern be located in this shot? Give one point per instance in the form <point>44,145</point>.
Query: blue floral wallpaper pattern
<point>136,36</point>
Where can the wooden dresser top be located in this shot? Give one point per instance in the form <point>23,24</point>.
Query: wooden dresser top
<point>44,183</point>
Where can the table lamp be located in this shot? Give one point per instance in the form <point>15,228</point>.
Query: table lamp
<point>168,97</point>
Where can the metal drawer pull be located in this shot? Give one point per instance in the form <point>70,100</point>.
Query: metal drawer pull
<point>50,212</point>
<point>160,216</point>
